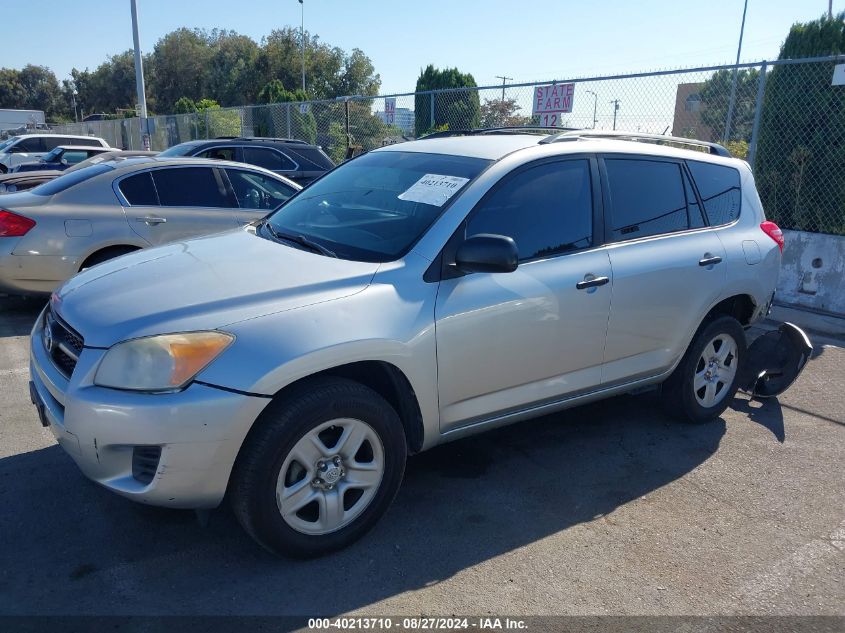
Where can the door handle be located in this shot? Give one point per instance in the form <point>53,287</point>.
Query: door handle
<point>151,221</point>
<point>592,283</point>
<point>709,260</point>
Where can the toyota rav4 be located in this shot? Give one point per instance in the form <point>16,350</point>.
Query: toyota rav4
<point>419,293</point>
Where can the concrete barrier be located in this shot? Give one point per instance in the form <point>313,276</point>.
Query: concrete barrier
<point>812,274</point>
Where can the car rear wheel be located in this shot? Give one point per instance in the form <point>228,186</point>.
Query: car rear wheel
<point>707,378</point>
<point>319,469</point>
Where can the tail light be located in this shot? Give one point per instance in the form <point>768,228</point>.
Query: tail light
<point>773,231</point>
<point>14,225</point>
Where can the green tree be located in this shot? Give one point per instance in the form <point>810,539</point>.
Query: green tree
<point>233,77</point>
<point>282,121</point>
<point>801,149</point>
<point>33,88</point>
<point>109,87</point>
<point>181,61</point>
<point>715,97</point>
<point>184,105</point>
<point>330,71</point>
<point>459,110</point>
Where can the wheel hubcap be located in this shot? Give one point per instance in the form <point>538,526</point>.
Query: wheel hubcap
<point>715,371</point>
<point>330,476</point>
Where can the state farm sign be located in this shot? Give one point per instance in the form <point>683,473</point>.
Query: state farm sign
<point>551,101</point>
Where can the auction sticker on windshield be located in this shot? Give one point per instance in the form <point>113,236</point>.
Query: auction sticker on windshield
<point>434,189</point>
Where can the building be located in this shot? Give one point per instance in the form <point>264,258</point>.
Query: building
<point>403,119</point>
<point>687,121</point>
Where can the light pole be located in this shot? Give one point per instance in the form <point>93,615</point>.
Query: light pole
<point>733,82</point>
<point>302,36</point>
<point>139,80</point>
<point>595,106</point>
<point>615,103</point>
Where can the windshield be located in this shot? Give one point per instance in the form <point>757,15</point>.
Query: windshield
<point>375,207</point>
<point>7,142</point>
<point>51,155</point>
<point>183,149</point>
<point>67,180</point>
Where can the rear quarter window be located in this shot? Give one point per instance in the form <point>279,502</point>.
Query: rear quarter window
<point>719,189</point>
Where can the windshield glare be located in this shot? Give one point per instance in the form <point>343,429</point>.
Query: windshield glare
<point>7,142</point>
<point>375,207</point>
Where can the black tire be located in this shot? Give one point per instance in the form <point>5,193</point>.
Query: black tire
<point>678,394</point>
<point>283,423</point>
<point>105,255</point>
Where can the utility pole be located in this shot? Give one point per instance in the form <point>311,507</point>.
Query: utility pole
<point>139,80</point>
<point>504,79</point>
<point>829,9</point>
<point>615,103</point>
<point>302,36</point>
<point>729,120</point>
<point>595,106</point>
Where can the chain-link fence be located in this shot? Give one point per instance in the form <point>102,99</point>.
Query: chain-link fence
<point>785,117</point>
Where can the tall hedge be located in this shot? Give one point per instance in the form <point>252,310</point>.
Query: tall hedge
<point>800,163</point>
<point>457,110</point>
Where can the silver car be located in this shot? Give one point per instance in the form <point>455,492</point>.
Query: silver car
<point>417,294</point>
<point>111,208</point>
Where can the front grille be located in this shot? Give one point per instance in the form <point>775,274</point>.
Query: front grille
<point>145,462</point>
<point>62,344</point>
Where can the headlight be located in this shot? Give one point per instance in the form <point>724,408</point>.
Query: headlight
<point>160,363</point>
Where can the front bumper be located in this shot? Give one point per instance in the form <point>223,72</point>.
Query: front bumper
<point>199,430</point>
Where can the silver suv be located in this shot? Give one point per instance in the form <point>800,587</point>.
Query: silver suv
<point>417,294</point>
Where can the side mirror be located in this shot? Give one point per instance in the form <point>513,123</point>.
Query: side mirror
<point>486,253</point>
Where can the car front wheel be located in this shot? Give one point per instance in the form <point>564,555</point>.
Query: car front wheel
<point>320,468</point>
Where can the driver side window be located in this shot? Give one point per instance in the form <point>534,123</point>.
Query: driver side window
<point>256,191</point>
<point>547,209</point>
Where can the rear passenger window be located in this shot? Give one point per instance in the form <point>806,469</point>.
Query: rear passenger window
<point>219,153</point>
<point>85,142</point>
<point>192,187</point>
<point>547,209</point>
<point>647,198</point>
<point>719,189</point>
<point>139,190</point>
<point>696,219</point>
<point>268,159</point>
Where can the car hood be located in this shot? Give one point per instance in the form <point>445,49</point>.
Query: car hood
<point>200,284</point>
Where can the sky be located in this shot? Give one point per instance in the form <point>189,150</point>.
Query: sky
<point>525,40</point>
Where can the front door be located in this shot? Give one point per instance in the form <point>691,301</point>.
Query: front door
<point>507,341</point>
<point>257,194</point>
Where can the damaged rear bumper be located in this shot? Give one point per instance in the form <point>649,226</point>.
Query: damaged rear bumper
<point>775,360</point>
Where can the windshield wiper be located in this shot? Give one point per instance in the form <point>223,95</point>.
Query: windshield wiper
<point>299,239</point>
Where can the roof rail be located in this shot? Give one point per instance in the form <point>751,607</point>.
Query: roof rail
<point>261,138</point>
<point>513,129</point>
<point>712,148</point>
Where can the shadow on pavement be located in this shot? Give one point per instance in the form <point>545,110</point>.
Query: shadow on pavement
<point>71,547</point>
<point>18,314</point>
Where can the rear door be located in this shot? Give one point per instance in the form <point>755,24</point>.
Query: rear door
<point>173,203</point>
<point>257,194</point>
<point>668,267</point>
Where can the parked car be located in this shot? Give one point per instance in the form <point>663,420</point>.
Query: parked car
<point>30,147</point>
<point>60,158</point>
<point>114,207</point>
<point>297,160</point>
<point>416,294</point>
<point>26,180</point>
